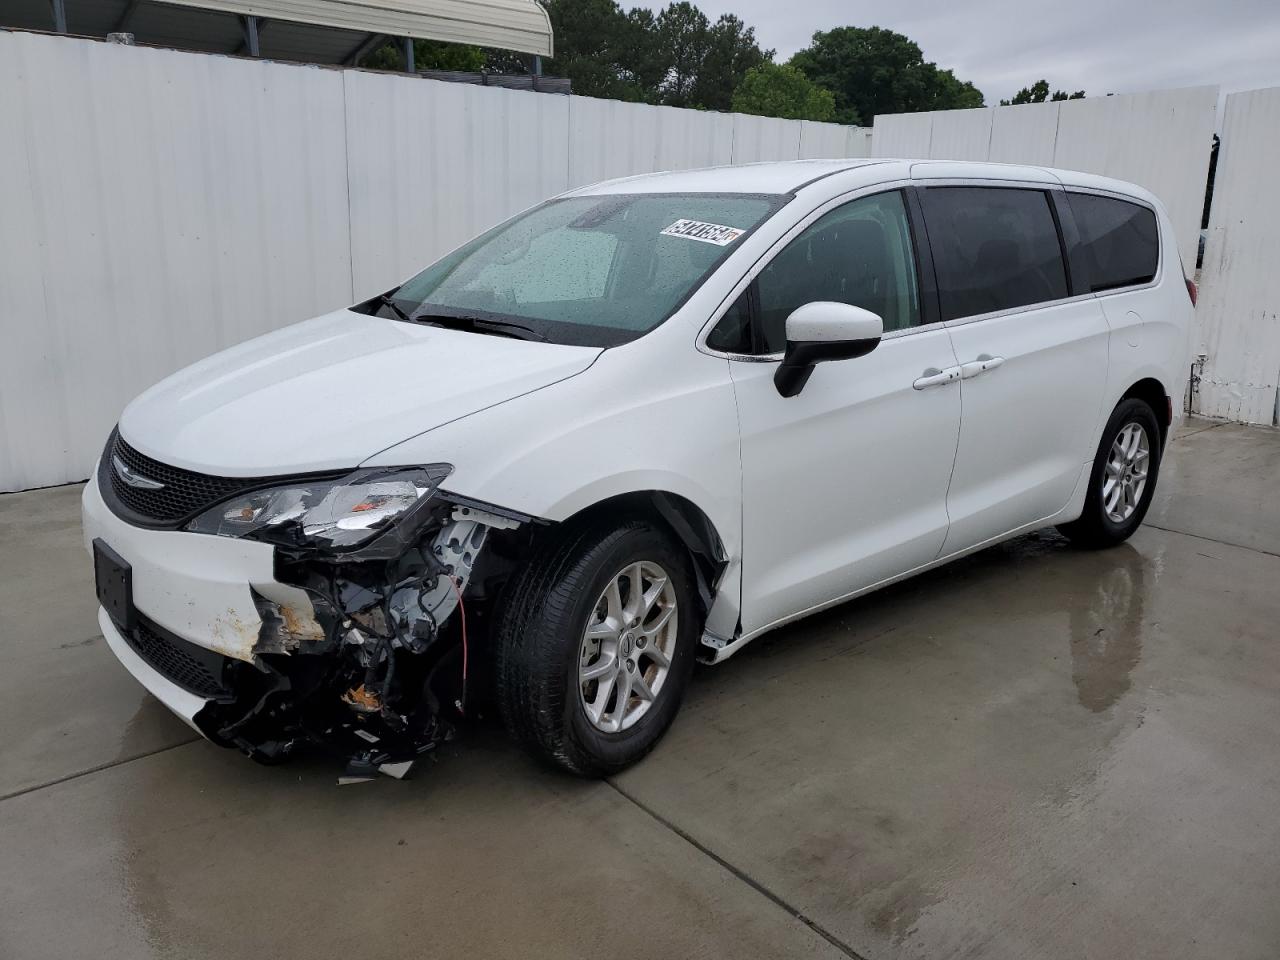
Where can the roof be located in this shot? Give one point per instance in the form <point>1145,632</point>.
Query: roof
<point>788,176</point>
<point>313,31</point>
<point>776,177</point>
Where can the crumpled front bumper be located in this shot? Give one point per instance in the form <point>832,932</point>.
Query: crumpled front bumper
<point>359,652</point>
<point>195,585</point>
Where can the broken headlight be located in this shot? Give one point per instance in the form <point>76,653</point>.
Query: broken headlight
<point>339,514</point>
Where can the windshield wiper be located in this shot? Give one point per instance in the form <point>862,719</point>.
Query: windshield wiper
<point>507,328</point>
<point>386,301</point>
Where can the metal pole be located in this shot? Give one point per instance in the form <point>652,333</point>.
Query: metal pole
<point>408,55</point>
<point>251,34</point>
<point>59,16</point>
<point>537,65</point>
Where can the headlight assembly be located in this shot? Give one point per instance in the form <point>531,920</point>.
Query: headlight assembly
<point>339,514</point>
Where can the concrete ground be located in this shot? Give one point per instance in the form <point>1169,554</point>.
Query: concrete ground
<point>1038,752</point>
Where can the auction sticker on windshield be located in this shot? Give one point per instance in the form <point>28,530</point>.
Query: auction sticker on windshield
<point>721,236</point>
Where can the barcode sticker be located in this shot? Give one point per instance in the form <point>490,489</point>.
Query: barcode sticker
<point>715,233</point>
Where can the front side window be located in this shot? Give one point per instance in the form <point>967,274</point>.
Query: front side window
<point>1120,241</point>
<point>598,270</point>
<point>994,248</point>
<point>860,253</point>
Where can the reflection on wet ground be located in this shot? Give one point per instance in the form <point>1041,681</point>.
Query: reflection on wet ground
<point>1035,752</point>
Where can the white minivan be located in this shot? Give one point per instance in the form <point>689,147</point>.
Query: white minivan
<point>638,425</point>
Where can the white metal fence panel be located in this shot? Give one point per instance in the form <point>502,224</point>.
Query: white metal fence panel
<point>960,135</point>
<point>1239,310</point>
<point>432,164</point>
<point>609,138</point>
<point>764,138</point>
<point>157,206</point>
<point>823,141</point>
<point>1159,140</point>
<point>1026,133</point>
<point>902,135</point>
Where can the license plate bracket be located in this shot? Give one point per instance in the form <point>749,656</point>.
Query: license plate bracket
<point>113,579</point>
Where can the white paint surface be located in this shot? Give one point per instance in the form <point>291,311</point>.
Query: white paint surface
<point>1238,315</point>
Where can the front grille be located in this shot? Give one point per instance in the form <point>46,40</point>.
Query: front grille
<point>184,493</point>
<point>191,667</point>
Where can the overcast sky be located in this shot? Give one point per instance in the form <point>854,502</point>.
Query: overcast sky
<point>1100,46</point>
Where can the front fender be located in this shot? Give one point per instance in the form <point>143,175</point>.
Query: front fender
<point>642,418</point>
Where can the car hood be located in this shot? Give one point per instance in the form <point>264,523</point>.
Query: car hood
<point>329,393</point>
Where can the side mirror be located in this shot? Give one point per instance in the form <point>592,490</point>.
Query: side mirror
<point>821,331</point>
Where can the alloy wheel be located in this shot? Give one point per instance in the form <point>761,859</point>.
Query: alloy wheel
<point>627,646</point>
<point>1124,477</point>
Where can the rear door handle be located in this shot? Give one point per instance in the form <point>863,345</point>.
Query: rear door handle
<point>979,366</point>
<point>933,377</point>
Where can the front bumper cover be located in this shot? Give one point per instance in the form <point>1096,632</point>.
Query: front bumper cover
<point>263,647</point>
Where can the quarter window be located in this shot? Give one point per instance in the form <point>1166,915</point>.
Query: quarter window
<point>1119,241</point>
<point>994,248</point>
<point>859,253</point>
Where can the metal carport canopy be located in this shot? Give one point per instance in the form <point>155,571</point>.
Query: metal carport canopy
<point>521,25</point>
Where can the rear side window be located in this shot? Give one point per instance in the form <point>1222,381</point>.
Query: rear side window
<point>994,248</point>
<point>1119,241</point>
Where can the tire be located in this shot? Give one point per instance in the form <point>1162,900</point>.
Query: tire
<point>1098,526</point>
<point>541,647</point>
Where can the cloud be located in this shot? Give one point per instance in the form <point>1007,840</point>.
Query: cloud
<point>1100,46</point>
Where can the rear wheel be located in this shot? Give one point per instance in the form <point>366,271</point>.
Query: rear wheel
<point>1123,478</point>
<point>595,647</point>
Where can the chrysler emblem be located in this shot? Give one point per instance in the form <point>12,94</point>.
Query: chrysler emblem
<point>134,479</point>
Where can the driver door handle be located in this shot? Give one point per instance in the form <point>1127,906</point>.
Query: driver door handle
<point>933,377</point>
<point>979,366</point>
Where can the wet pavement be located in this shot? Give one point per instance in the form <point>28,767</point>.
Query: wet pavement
<point>1036,752</point>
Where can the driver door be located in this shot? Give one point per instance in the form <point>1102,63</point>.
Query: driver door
<point>845,484</point>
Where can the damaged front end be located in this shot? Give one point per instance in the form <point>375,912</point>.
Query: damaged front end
<point>362,645</point>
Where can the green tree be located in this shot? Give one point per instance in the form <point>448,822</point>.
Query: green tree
<point>595,49</point>
<point>1038,92</point>
<point>873,71</point>
<point>731,52</point>
<point>682,33</point>
<point>427,55</point>
<point>780,90</point>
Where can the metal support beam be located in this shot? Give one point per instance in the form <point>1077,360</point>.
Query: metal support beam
<point>122,24</point>
<point>408,55</point>
<point>59,15</point>
<point>364,48</point>
<point>250,25</point>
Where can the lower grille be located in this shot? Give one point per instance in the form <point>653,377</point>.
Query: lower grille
<point>191,667</point>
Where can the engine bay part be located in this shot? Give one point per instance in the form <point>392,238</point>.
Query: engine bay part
<point>363,652</point>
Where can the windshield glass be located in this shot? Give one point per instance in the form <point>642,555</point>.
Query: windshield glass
<point>596,271</point>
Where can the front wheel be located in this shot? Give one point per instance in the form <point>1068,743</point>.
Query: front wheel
<point>1123,479</point>
<point>596,644</point>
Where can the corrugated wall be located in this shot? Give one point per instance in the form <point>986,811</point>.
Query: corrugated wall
<point>1239,310</point>
<point>158,206</point>
<point>1160,140</point>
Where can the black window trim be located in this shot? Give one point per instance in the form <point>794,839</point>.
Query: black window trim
<point>746,284</point>
<point>1158,276</point>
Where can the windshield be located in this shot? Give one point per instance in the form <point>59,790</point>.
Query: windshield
<point>595,271</point>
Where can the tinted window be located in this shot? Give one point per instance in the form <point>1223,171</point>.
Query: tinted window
<point>860,254</point>
<point>597,270</point>
<point>993,248</point>
<point>733,333</point>
<point>1119,241</point>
